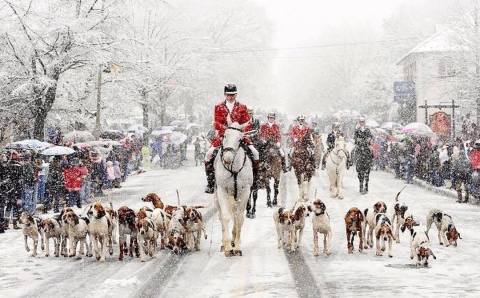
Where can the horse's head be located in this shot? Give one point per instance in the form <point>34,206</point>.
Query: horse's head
<point>340,142</point>
<point>231,141</point>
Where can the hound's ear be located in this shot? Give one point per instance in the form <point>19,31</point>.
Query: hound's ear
<point>459,236</point>
<point>309,208</point>
<point>415,224</point>
<point>403,228</point>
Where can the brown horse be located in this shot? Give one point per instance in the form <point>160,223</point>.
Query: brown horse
<point>303,163</point>
<point>273,170</point>
<point>270,168</point>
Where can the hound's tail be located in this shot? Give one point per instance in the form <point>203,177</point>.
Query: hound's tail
<point>398,194</point>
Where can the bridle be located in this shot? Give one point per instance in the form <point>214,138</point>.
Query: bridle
<point>336,152</point>
<point>233,173</point>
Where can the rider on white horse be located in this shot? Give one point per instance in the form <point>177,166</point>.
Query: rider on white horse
<point>270,132</point>
<point>332,136</point>
<point>229,111</point>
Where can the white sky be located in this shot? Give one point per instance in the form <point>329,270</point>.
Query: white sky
<point>295,21</point>
<point>300,23</point>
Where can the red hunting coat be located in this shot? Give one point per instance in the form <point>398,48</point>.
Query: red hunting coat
<point>298,133</point>
<point>270,133</point>
<point>239,114</point>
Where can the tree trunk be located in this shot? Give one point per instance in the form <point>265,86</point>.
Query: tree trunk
<point>42,109</point>
<point>145,114</point>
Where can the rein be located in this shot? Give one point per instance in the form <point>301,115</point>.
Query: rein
<point>230,170</point>
<point>336,153</point>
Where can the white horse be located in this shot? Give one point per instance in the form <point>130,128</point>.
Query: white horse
<point>234,178</point>
<point>336,166</point>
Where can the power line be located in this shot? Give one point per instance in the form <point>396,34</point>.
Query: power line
<point>330,45</point>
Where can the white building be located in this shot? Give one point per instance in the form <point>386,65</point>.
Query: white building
<point>440,68</point>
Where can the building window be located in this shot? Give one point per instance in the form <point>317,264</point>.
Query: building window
<point>409,71</point>
<point>446,68</point>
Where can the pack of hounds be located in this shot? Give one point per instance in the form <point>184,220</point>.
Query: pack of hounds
<point>367,225</point>
<point>178,228</point>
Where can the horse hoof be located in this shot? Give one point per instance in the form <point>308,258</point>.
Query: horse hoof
<point>340,197</point>
<point>252,216</point>
<point>249,215</point>
<point>275,203</point>
<point>229,253</point>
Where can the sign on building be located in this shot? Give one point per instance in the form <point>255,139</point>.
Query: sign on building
<point>404,96</point>
<point>403,91</point>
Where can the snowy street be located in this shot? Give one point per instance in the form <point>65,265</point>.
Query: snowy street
<point>264,270</point>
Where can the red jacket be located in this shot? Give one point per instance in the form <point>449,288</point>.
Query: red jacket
<point>74,176</point>
<point>475,159</point>
<point>239,114</point>
<point>298,133</point>
<point>270,133</point>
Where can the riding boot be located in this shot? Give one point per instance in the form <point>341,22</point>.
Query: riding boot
<point>210,172</point>
<point>2,225</point>
<point>256,166</point>
<point>361,187</point>
<point>366,187</point>
<point>284,164</point>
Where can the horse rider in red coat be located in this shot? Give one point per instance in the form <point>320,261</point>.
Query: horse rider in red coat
<point>270,132</point>
<point>301,133</point>
<point>237,112</point>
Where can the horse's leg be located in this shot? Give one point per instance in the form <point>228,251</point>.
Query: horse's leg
<point>269,190</point>
<point>331,178</point>
<point>367,177</point>
<point>254,197</point>
<point>341,172</point>
<point>220,217</point>
<point>360,179</point>
<point>237,225</point>
<point>276,185</point>
<point>249,205</point>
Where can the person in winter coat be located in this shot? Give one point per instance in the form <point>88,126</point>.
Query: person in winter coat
<point>475,156</point>
<point>110,174</point>
<point>55,186</point>
<point>462,174</point>
<point>74,174</point>
<point>118,174</point>
<point>3,192</point>
<point>434,168</point>
<point>14,186</point>
<point>29,201</point>
<point>99,173</point>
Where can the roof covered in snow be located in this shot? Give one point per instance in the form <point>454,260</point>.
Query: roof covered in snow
<point>442,41</point>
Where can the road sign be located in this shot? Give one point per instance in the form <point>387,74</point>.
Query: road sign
<point>403,91</point>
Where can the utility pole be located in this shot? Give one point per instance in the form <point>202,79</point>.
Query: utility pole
<point>477,61</point>
<point>99,102</point>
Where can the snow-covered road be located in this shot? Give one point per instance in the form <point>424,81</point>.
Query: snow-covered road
<point>264,270</point>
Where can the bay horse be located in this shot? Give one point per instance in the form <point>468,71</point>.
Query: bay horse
<point>270,168</point>
<point>303,163</point>
<point>363,158</point>
<point>234,179</point>
<point>336,165</point>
